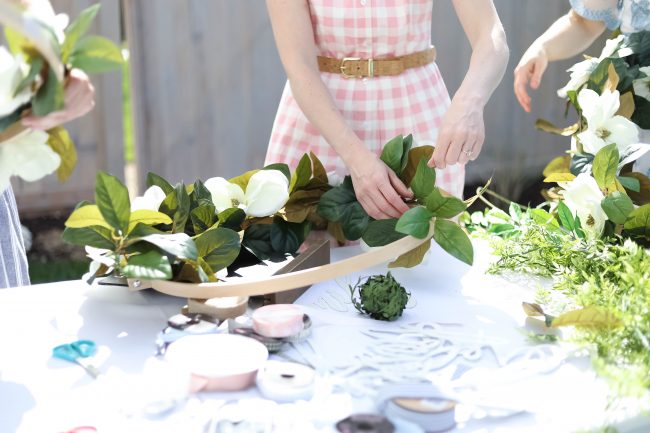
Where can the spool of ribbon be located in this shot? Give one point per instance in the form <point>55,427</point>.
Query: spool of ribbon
<point>285,382</point>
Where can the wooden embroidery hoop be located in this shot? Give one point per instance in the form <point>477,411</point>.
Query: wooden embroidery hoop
<point>292,280</point>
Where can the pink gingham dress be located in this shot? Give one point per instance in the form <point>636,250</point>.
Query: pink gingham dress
<point>378,108</point>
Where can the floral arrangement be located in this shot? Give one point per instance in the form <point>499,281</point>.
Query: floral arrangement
<point>31,82</point>
<point>203,231</point>
<point>598,193</point>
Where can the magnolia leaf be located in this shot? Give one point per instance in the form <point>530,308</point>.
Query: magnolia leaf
<point>340,204</point>
<point>581,164</point>
<point>382,232</point>
<point>532,310</point>
<point>559,177</point>
<point>412,258</point>
<point>605,165</point>
<point>643,196</point>
<point>93,236</point>
<point>612,79</point>
<point>302,204</point>
<point>49,97</point>
<point>287,237</point>
<point>112,198</point>
<point>257,238</point>
<point>96,54</point>
<point>393,152</point>
<point>589,317</point>
<point>281,167</point>
<point>318,169</point>
<point>149,266</point>
<point>627,105</point>
<point>617,206</point>
<point>407,144</point>
<point>182,210</point>
<point>154,180</point>
<point>444,207</point>
<point>424,180</point>
<point>78,29</point>
<point>540,216</point>
<point>561,164</point>
<point>203,217</point>
<point>87,216</point>
<point>415,155</point>
<point>218,247</point>
<point>638,222</point>
<point>232,218</point>
<point>147,217</point>
<point>242,179</point>
<point>302,174</point>
<point>546,126</point>
<point>630,183</point>
<point>453,240</point>
<point>641,114</point>
<point>415,222</point>
<point>142,230</point>
<point>566,216</point>
<point>34,70</point>
<point>336,231</point>
<point>61,143</point>
<point>178,244</point>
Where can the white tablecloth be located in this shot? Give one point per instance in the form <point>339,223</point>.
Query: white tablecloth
<point>42,394</point>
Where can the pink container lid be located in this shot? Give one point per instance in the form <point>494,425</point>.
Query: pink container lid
<point>278,321</point>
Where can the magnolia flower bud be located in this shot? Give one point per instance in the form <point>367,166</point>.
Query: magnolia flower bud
<point>150,200</point>
<point>224,194</point>
<point>267,192</point>
<point>583,197</point>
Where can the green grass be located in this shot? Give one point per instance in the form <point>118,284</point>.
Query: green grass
<point>59,270</point>
<point>129,146</point>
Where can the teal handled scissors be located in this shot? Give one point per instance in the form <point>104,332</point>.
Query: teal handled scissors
<point>76,352</point>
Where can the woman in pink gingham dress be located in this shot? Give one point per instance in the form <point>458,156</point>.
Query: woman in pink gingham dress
<point>346,121</point>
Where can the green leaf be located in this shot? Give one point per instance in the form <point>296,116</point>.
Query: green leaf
<point>218,247</point>
<point>34,69</point>
<point>641,115</point>
<point>318,169</point>
<point>382,232</point>
<point>638,223</point>
<point>178,245</point>
<point>182,210</point>
<point>203,217</point>
<point>93,236</point>
<point>453,240</point>
<point>147,217</point>
<point>232,218</point>
<point>154,179</point>
<point>541,217</point>
<point>643,196</point>
<point>412,258</point>
<point>393,152</point>
<point>515,211</point>
<point>415,222</point>
<point>112,198</point>
<point>77,29</point>
<point>340,204</point>
<point>630,183</point>
<point>415,155</point>
<point>617,206</point>
<point>566,217</point>
<point>581,164</point>
<point>142,230</point>
<point>257,238</point>
<point>200,195</point>
<point>284,168</point>
<point>559,177</point>
<point>49,97</point>
<point>302,175</point>
<point>424,181</point>
<point>287,237</point>
<point>242,179</point>
<point>149,266</point>
<point>589,317</point>
<point>96,54</point>
<point>561,164</point>
<point>606,165</point>
<point>444,207</point>
<point>59,140</point>
<point>11,119</point>
<point>407,144</point>
<point>87,216</point>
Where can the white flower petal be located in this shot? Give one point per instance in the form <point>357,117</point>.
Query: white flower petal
<point>27,155</point>
<point>224,193</point>
<point>583,197</point>
<point>642,85</point>
<point>11,74</point>
<point>622,131</point>
<point>591,142</point>
<point>589,103</point>
<point>267,192</point>
<point>150,200</point>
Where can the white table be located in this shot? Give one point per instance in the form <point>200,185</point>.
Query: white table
<point>42,394</point>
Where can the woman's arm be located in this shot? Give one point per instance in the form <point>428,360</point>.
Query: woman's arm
<point>377,187</point>
<point>567,37</point>
<point>463,128</point>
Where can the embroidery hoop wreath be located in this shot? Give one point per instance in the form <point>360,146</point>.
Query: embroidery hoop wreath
<point>180,247</point>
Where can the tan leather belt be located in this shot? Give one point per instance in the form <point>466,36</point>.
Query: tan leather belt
<point>354,67</point>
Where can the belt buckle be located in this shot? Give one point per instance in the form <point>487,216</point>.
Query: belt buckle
<point>343,68</point>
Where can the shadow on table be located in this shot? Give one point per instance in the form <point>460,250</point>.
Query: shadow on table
<point>15,401</point>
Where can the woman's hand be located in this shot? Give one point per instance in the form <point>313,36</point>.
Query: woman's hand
<point>530,70</point>
<point>461,136</point>
<point>378,189</point>
<point>79,99</point>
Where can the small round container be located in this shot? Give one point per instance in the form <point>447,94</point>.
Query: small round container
<point>219,362</point>
<point>432,414</point>
<point>278,321</point>
<point>285,382</point>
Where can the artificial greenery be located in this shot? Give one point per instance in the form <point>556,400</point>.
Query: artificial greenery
<point>380,297</point>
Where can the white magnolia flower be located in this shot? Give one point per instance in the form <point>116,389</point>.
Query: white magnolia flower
<point>27,155</point>
<point>224,194</point>
<point>267,192</point>
<point>603,125</point>
<point>42,10</point>
<point>98,257</point>
<point>583,197</point>
<point>12,72</point>
<point>580,72</point>
<point>642,85</point>
<point>150,200</point>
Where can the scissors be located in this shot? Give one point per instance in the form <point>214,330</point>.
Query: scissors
<point>75,352</point>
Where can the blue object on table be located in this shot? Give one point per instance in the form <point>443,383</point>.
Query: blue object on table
<point>76,352</point>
